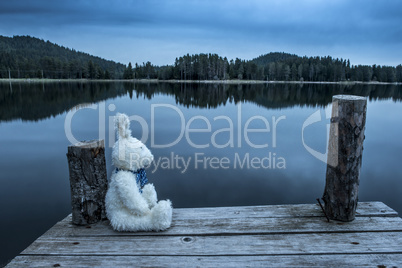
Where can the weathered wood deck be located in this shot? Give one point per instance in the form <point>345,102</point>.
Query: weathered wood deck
<point>284,235</point>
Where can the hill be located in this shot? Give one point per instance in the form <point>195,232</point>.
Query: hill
<point>274,57</point>
<point>30,57</point>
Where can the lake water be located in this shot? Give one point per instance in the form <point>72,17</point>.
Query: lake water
<point>214,144</point>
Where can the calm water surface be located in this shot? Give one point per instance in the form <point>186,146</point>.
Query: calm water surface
<point>214,145</point>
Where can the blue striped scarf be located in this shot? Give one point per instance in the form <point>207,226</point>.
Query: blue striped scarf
<point>141,177</point>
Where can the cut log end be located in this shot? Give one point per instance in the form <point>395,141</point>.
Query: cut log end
<point>349,98</point>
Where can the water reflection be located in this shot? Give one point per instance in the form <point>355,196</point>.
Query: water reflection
<point>38,101</point>
<point>266,95</point>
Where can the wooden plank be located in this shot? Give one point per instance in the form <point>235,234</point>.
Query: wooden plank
<point>337,260</point>
<point>326,243</point>
<point>366,209</point>
<point>245,225</point>
<point>371,209</point>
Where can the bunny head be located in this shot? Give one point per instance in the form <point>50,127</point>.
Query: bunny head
<point>128,152</point>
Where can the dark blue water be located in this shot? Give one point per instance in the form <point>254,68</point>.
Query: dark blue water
<point>214,145</point>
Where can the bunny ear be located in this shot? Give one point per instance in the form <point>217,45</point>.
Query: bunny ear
<point>122,126</point>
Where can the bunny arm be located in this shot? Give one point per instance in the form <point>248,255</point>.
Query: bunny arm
<point>129,194</point>
<point>149,194</point>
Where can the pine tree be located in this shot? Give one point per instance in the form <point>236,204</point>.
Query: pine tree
<point>128,72</point>
<point>91,73</point>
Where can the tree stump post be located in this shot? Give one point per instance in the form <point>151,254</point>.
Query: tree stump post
<point>88,181</point>
<point>345,150</point>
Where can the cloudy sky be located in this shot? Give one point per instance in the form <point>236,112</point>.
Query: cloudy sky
<point>364,31</point>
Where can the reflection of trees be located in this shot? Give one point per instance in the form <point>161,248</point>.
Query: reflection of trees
<point>36,101</point>
<point>266,95</point>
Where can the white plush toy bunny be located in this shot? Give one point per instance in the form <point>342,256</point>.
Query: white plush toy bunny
<point>131,204</point>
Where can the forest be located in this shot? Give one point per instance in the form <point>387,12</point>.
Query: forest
<point>270,67</point>
<point>30,57</point>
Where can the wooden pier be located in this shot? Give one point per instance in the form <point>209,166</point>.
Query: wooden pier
<point>280,235</point>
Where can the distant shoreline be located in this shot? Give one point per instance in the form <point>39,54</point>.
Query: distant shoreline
<point>229,82</point>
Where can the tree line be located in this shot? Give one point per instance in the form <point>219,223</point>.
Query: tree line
<point>269,67</point>
<point>29,57</point>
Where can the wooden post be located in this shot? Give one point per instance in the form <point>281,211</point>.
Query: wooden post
<point>345,150</point>
<point>88,181</point>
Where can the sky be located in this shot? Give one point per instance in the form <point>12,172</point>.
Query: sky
<point>364,31</point>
